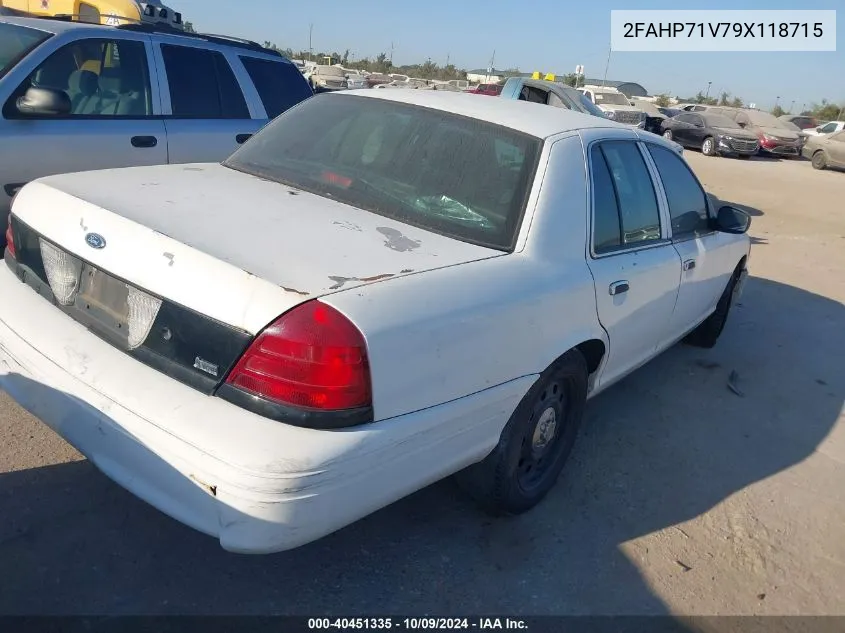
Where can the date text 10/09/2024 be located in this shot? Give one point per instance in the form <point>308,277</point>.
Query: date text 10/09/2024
<point>723,29</point>
<point>415,624</point>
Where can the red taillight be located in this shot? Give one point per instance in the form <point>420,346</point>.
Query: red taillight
<point>10,238</point>
<point>311,357</point>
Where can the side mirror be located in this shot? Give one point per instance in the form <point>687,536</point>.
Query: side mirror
<point>732,220</point>
<point>44,102</point>
<point>741,123</point>
<point>819,129</point>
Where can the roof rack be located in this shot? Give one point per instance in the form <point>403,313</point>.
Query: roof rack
<point>208,37</point>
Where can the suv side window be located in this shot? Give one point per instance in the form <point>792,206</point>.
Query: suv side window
<point>280,85</point>
<point>625,204</point>
<point>830,127</point>
<point>202,84</point>
<point>687,200</point>
<point>102,78</point>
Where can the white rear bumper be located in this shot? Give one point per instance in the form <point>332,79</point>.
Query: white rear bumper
<point>257,485</point>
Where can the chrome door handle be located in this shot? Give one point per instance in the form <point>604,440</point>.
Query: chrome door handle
<point>619,287</point>
<point>689,264</point>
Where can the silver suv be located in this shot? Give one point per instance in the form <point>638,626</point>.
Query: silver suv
<point>78,97</point>
<point>615,105</point>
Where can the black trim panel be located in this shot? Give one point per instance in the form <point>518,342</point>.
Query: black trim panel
<point>295,416</point>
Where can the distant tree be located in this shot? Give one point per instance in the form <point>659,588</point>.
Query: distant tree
<point>662,101</point>
<point>724,99</point>
<point>570,79</point>
<point>778,111</point>
<point>189,27</point>
<point>826,111</point>
<point>736,102</point>
<point>345,59</point>
<point>699,97</point>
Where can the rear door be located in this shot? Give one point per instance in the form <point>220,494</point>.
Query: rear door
<point>207,115</point>
<point>635,269</point>
<point>682,128</point>
<point>115,111</point>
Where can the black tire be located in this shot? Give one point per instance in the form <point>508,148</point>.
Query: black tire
<point>526,462</point>
<point>667,134</point>
<point>708,332</point>
<point>819,160</point>
<point>708,146</point>
<point>743,156</point>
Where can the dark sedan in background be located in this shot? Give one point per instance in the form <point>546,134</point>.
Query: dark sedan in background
<point>714,134</point>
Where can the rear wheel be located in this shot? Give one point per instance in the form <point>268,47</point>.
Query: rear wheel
<point>708,146</point>
<point>668,135</point>
<point>819,160</point>
<point>535,443</point>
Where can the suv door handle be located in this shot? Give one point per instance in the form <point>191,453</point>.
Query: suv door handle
<point>144,141</point>
<point>243,138</point>
<point>689,264</point>
<point>619,287</point>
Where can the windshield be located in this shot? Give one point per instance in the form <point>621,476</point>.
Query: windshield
<point>611,98</point>
<point>460,177</point>
<point>720,120</point>
<point>764,119</point>
<point>15,42</point>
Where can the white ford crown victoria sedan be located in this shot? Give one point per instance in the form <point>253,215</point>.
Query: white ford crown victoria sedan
<point>377,291</point>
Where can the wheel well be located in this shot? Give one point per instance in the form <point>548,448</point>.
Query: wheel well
<point>740,265</point>
<point>593,351</point>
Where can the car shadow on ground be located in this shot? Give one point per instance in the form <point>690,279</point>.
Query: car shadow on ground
<point>661,448</point>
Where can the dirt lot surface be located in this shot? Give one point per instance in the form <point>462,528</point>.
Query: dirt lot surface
<point>681,496</point>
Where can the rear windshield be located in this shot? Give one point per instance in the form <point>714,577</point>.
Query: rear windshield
<point>460,177</point>
<point>15,42</point>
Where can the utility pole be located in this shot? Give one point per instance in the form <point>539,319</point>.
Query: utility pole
<point>607,65</point>
<point>492,65</point>
<point>707,94</point>
<point>803,107</point>
<point>310,47</point>
<point>777,100</point>
<point>447,59</point>
<point>391,53</point>
<point>791,105</point>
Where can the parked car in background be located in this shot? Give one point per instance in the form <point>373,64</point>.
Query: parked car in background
<point>831,127</point>
<point>461,84</point>
<point>354,81</point>
<point>776,137</point>
<point>669,112</point>
<point>363,300</point>
<point>826,150</point>
<point>549,93</point>
<point>802,122</point>
<point>715,134</point>
<point>654,117</point>
<point>490,90</point>
<point>327,78</point>
<point>78,96</point>
<point>615,105</point>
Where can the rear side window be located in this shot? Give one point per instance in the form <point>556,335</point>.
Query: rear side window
<point>280,85</point>
<point>632,191</point>
<point>202,84</point>
<point>687,202</point>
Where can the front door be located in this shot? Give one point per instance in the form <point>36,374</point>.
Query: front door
<point>112,122</point>
<point>706,255</point>
<point>635,268</point>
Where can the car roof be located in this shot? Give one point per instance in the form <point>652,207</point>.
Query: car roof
<point>46,25</point>
<point>535,119</point>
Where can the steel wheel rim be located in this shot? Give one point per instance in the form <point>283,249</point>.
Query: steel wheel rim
<point>667,135</point>
<point>541,443</point>
<point>708,145</point>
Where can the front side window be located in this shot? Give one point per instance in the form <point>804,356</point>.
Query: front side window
<point>202,84</point>
<point>830,127</point>
<point>102,78</point>
<point>687,201</point>
<point>625,204</point>
<point>15,42</point>
<point>280,85</point>
<point>457,176</point>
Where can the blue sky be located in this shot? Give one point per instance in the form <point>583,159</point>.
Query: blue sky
<point>546,35</point>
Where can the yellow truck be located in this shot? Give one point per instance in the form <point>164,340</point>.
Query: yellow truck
<point>113,12</point>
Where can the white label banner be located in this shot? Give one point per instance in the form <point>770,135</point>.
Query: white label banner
<point>724,30</point>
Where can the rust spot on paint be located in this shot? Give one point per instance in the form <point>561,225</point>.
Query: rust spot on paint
<point>407,270</point>
<point>377,277</point>
<point>396,241</point>
<point>170,257</point>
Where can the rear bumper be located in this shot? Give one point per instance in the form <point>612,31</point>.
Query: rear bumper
<point>257,485</point>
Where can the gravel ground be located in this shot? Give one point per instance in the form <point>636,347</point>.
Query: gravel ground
<point>681,497</point>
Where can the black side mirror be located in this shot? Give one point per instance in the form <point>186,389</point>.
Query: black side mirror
<point>45,102</point>
<point>741,123</point>
<point>732,220</point>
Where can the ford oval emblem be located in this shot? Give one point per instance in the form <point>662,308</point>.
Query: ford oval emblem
<point>95,240</point>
